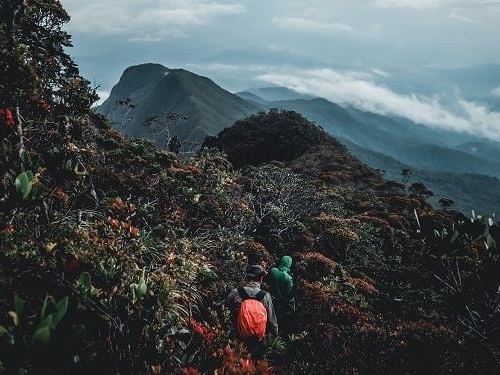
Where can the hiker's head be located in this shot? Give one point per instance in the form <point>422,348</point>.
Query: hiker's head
<point>286,263</point>
<point>255,273</point>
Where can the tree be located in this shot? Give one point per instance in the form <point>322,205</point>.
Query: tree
<point>446,203</point>
<point>420,189</point>
<point>41,79</point>
<point>165,125</point>
<point>174,145</point>
<point>405,175</point>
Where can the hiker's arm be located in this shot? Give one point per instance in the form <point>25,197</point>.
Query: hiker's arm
<point>230,300</point>
<point>272,321</point>
<point>289,284</point>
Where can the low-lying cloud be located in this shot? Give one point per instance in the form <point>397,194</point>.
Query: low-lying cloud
<point>357,90</point>
<point>148,21</point>
<point>309,25</point>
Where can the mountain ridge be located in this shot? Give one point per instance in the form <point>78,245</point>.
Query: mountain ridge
<point>432,153</point>
<point>156,90</point>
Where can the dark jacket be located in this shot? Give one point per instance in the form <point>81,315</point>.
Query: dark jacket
<point>233,302</point>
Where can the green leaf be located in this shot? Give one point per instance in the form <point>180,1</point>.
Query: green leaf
<point>20,182</point>
<point>142,288</point>
<point>47,322</point>
<point>85,280</point>
<point>68,165</point>
<point>3,331</point>
<point>41,336</point>
<point>24,183</point>
<point>44,309</point>
<point>78,331</point>
<point>20,307</point>
<point>37,190</point>
<point>61,308</point>
<point>25,159</point>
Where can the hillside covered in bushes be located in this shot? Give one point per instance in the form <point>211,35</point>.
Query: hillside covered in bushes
<point>115,255</point>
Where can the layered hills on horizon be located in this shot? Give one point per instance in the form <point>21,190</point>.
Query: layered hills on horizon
<point>453,165</point>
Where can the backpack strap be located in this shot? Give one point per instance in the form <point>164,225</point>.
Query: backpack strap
<point>244,295</point>
<point>260,296</point>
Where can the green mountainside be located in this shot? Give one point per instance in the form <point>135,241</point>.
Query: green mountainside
<point>155,91</point>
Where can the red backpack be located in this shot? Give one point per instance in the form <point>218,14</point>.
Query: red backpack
<point>252,316</point>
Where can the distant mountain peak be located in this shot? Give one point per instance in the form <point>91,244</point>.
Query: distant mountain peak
<point>155,90</point>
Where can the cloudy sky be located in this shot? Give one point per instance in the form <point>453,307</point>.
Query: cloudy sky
<point>369,53</point>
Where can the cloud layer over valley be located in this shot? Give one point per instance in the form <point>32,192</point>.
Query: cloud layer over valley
<point>359,90</point>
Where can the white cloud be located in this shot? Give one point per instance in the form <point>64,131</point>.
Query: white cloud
<point>103,95</point>
<point>414,4</point>
<point>349,89</point>
<point>304,24</point>
<point>433,4</point>
<point>460,17</point>
<point>145,21</point>
<point>496,92</point>
<point>217,67</point>
<point>380,72</point>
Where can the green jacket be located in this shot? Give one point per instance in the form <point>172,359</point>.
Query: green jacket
<point>281,283</point>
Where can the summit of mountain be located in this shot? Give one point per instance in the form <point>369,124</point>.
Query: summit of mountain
<point>155,90</point>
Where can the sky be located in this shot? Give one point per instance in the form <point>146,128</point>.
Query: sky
<point>384,56</point>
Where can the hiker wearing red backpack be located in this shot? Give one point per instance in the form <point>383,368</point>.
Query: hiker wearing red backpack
<point>254,312</point>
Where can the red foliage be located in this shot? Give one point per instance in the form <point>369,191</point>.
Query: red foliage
<point>314,266</point>
<point>398,221</point>
<point>257,253</point>
<point>9,229</point>
<point>60,195</point>
<point>44,105</point>
<point>190,371</point>
<point>7,117</point>
<point>193,169</point>
<point>201,329</point>
<point>233,364</point>
<point>313,304</point>
<point>347,314</point>
<point>363,285</point>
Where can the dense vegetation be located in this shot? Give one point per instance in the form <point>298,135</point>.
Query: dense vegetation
<point>114,254</point>
<point>452,164</point>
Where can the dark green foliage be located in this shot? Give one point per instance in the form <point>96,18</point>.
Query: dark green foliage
<point>419,189</point>
<point>446,203</point>
<point>276,135</point>
<point>40,77</point>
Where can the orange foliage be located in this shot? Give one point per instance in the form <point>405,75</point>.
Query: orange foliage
<point>190,371</point>
<point>314,266</point>
<point>233,364</point>
<point>365,286</point>
<point>60,195</point>
<point>9,229</point>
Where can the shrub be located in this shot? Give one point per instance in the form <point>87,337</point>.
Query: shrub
<point>314,266</point>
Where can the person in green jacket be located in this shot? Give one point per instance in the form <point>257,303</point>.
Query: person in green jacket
<point>281,282</point>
